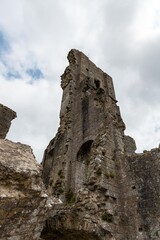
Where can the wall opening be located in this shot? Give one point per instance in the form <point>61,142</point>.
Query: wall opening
<point>84,152</point>
<point>85,114</point>
<point>50,234</point>
<point>97,83</point>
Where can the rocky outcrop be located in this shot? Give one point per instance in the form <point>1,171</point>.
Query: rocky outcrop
<point>6,116</point>
<point>24,202</point>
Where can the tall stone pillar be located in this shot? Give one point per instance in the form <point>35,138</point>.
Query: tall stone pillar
<point>79,164</point>
<point>6,116</point>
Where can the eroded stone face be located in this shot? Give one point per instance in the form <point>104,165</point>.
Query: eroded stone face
<point>24,202</point>
<point>98,188</point>
<point>141,194</point>
<point>6,116</point>
<point>79,165</point>
<point>129,145</point>
<point>108,191</point>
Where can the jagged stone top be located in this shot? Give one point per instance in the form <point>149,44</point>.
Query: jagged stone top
<point>19,172</point>
<point>82,69</point>
<point>18,157</point>
<point>6,116</point>
<point>24,202</point>
<point>74,56</point>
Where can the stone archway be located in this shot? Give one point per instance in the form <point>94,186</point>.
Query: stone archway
<point>84,151</point>
<point>67,235</point>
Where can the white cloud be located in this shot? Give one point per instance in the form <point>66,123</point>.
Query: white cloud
<point>37,108</point>
<point>120,37</point>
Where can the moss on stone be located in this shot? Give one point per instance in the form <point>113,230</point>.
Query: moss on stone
<point>99,171</point>
<point>107,217</point>
<point>70,197</point>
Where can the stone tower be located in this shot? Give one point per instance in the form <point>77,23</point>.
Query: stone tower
<point>107,190</point>
<point>79,163</point>
<point>88,112</point>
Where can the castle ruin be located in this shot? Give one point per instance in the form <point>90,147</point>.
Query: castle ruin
<point>97,187</point>
<point>108,191</point>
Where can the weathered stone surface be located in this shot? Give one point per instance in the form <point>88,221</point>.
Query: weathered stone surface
<point>108,191</point>
<point>24,203</point>
<point>6,116</point>
<point>129,144</point>
<point>141,194</point>
<point>79,165</point>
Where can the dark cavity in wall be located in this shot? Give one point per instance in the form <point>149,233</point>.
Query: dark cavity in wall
<point>85,115</point>
<point>84,151</point>
<point>51,234</point>
<point>97,83</point>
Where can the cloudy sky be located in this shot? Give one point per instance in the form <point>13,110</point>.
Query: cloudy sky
<point>121,36</point>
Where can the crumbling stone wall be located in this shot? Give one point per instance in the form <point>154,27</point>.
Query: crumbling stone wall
<point>24,202</point>
<point>23,199</point>
<point>129,145</point>
<point>108,191</point>
<point>98,188</point>
<point>6,116</point>
<point>141,194</point>
<point>79,164</point>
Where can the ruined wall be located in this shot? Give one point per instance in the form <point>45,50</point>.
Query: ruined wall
<point>108,191</point>
<point>98,188</point>
<point>79,165</point>
<point>141,193</point>
<point>24,203</point>
<point>6,116</point>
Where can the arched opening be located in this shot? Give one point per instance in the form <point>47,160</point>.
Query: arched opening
<point>67,235</point>
<point>84,152</point>
<point>83,159</point>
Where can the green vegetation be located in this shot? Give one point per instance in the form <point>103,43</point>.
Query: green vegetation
<point>58,187</point>
<point>107,174</point>
<point>99,172</point>
<point>70,197</point>
<point>107,217</point>
<point>112,174</point>
<point>60,190</point>
<point>50,183</point>
<point>60,173</point>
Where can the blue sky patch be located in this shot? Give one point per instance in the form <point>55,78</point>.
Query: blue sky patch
<point>4,43</point>
<point>157,128</point>
<point>35,73</point>
<point>13,74</point>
